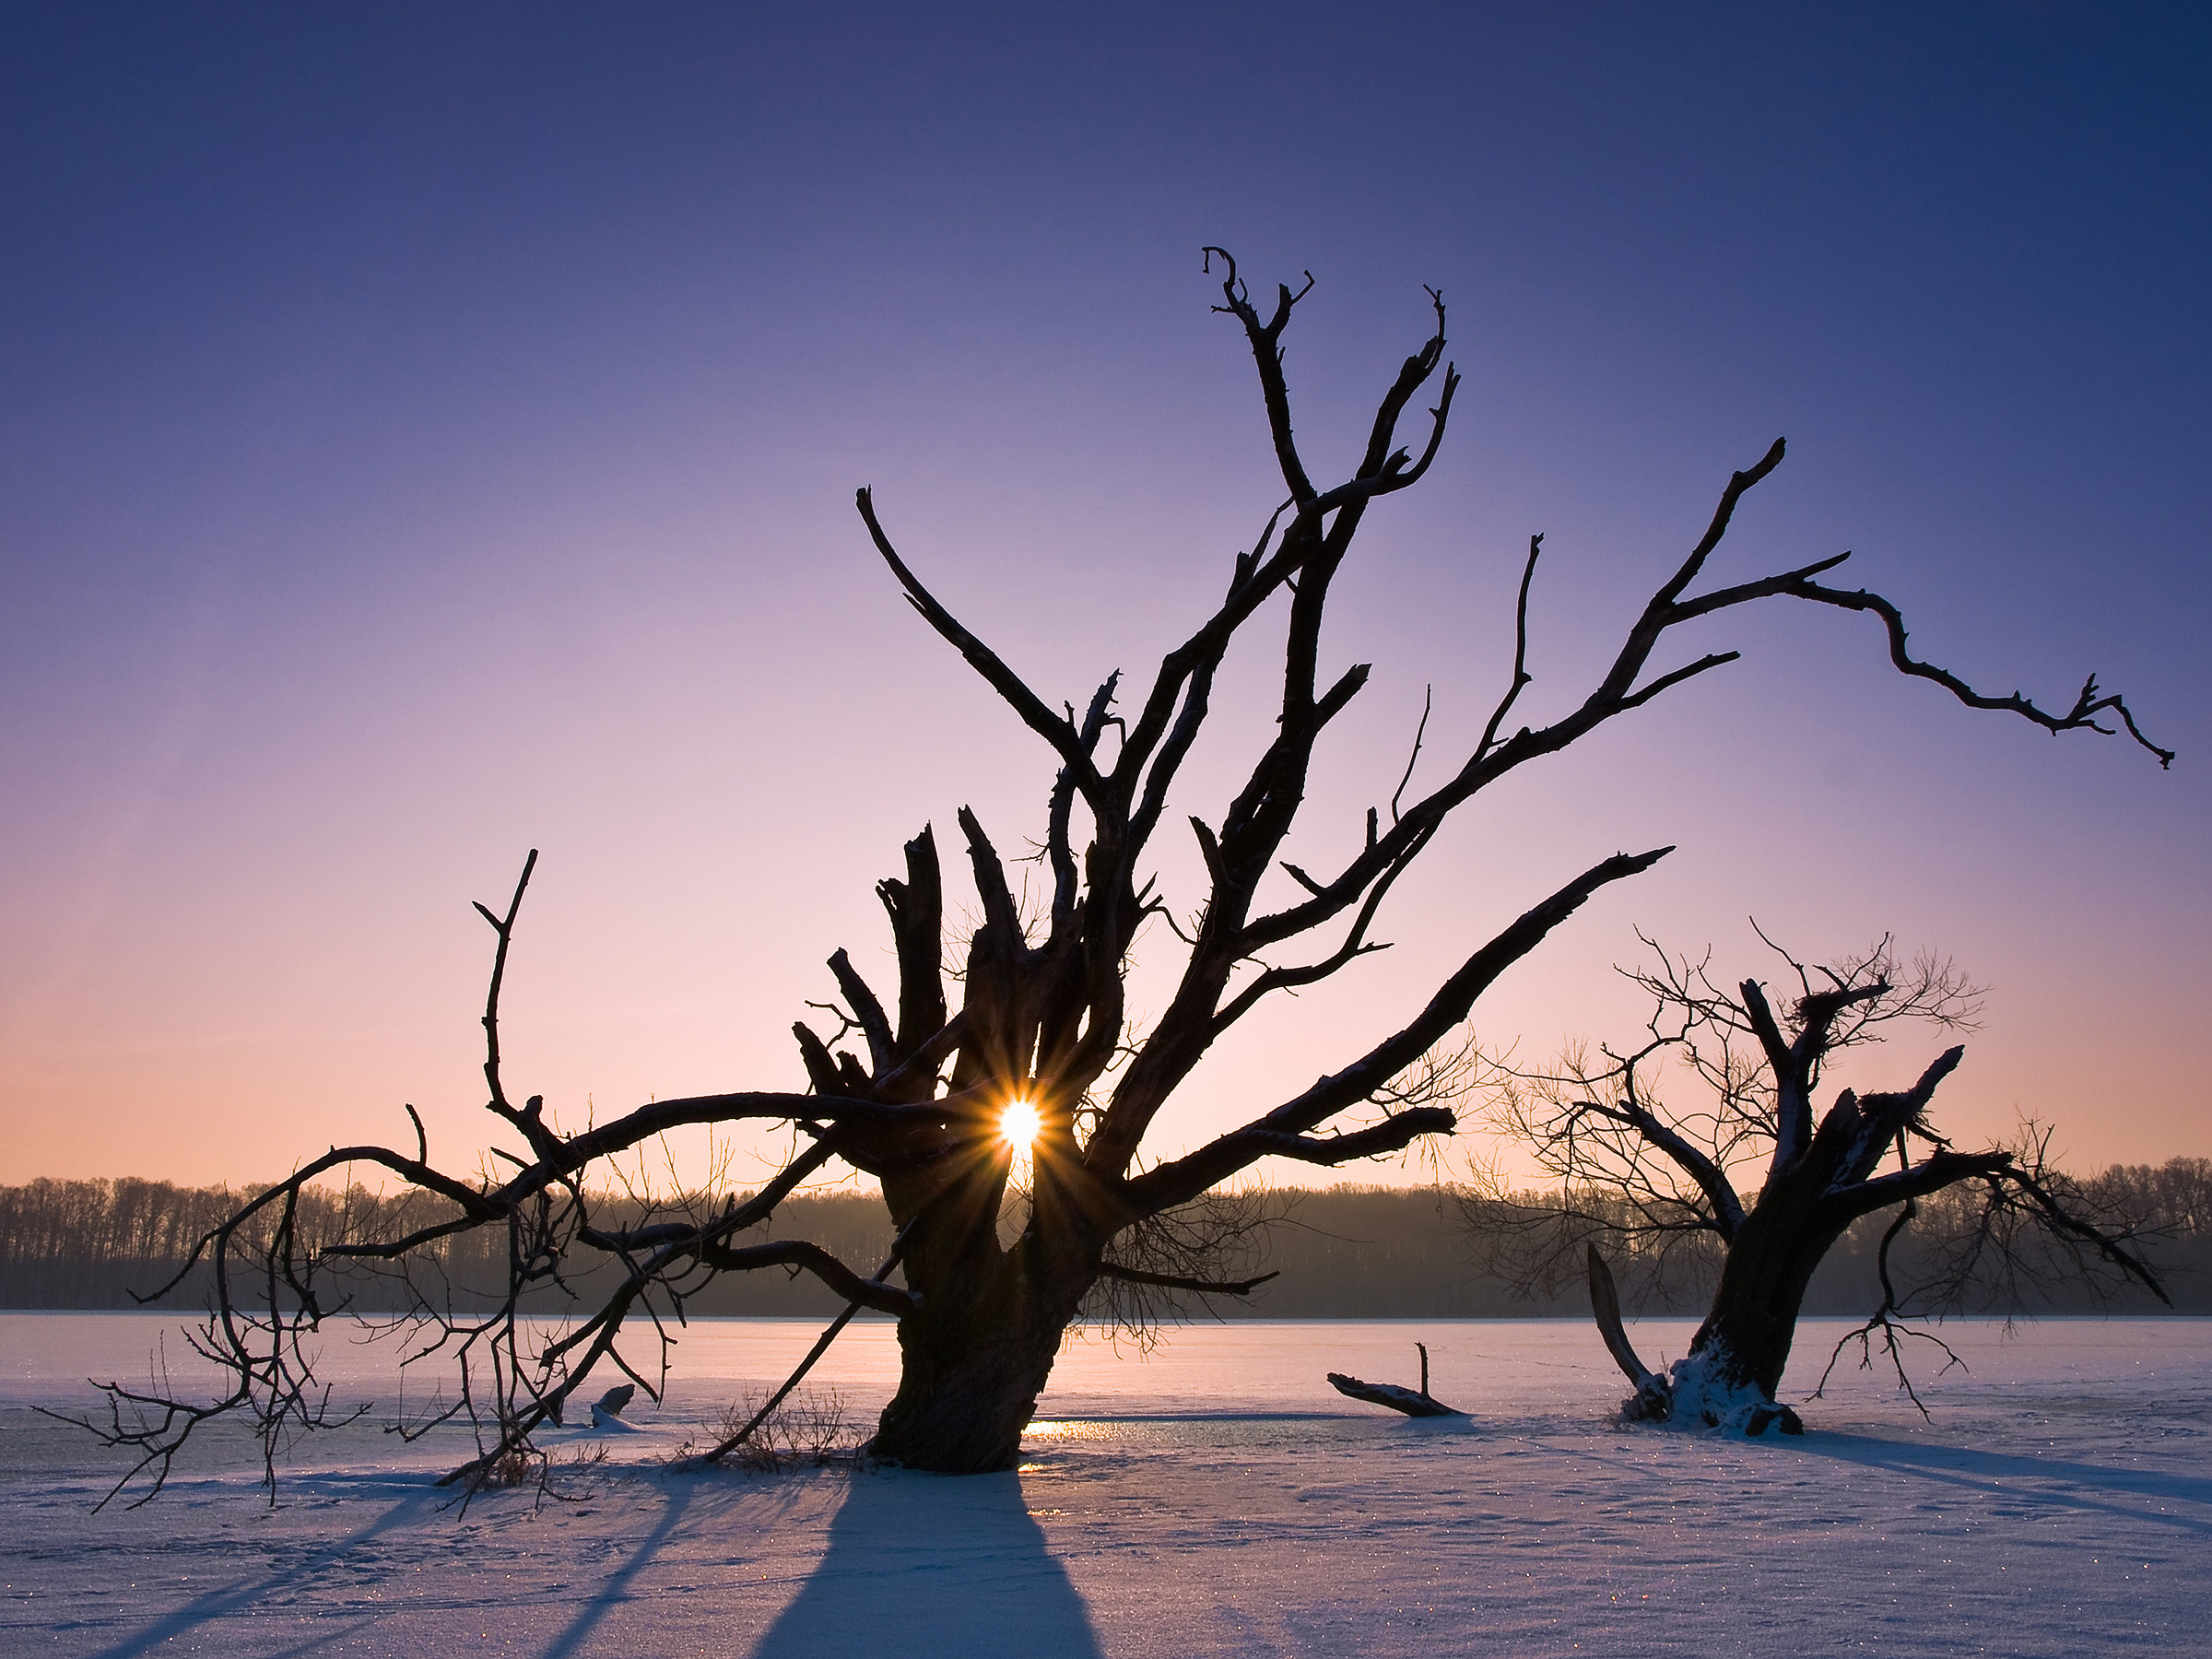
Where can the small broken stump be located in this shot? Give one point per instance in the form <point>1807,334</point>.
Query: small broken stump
<point>608,1409</point>
<point>1413,1402</point>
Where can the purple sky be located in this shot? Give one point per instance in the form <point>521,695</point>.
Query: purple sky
<point>430,434</point>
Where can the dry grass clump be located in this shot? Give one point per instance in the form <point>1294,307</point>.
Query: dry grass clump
<point>516,1467</point>
<point>525,1466</point>
<point>810,1428</point>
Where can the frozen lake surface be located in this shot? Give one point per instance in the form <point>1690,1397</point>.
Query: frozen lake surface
<point>1212,1497</point>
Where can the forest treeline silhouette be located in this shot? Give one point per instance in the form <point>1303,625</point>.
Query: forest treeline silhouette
<point>1344,1251</point>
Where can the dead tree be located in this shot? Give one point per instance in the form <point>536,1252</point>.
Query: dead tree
<point>1657,1185</point>
<point>915,1096</point>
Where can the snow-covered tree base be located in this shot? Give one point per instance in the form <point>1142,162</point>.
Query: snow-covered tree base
<point>1699,1392</point>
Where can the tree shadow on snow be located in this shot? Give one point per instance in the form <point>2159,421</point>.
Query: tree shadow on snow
<point>242,1597</point>
<point>2042,1479</point>
<point>932,1563</point>
<point>615,1588</point>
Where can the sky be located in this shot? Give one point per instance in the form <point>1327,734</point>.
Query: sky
<point>431,434</point>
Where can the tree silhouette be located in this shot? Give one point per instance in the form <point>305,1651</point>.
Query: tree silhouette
<point>913,1098</point>
<point>1656,1181</point>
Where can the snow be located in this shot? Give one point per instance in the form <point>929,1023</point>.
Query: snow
<point>1698,1393</point>
<point>1213,1498</point>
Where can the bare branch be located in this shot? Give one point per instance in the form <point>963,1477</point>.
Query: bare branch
<point>798,1253</point>
<point>1171,1281</point>
<point>867,1013</point>
<point>2082,716</point>
<point>1521,677</point>
<point>1055,729</point>
<point>1267,356</point>
<point>1454,997</point>
<point>1420,731</point>
<point>1184,1178</point>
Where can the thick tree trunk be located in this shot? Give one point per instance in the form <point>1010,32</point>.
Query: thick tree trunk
<point>1747,1336</point>
<point>1739,1353</point>
<point>973,1360</point>
<point>978,1351</point>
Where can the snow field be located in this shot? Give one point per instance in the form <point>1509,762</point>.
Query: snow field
<point>1214,1498</point>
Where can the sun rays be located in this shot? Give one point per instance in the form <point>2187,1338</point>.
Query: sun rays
<point>1019,1125</point>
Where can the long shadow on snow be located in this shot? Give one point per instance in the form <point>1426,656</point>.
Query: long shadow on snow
<point>2046,1479</point>
<point>303,1566</point>
<point>615,1588</point>
<point>934,1563</point>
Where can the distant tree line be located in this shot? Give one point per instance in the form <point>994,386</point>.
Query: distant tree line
<point>102,1244</point>
<point>1342,1252</point>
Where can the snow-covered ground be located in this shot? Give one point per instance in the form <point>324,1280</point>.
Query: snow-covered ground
<point>1212,1498</point>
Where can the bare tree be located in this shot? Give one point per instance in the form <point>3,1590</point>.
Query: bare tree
<point>915,1097</point>
<point>1660,1185</point>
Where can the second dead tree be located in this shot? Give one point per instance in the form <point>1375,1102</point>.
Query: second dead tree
<point>1654,1183</point>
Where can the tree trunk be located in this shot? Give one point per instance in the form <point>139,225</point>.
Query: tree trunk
<point>1747,1332</point>
<point>978,1351</point>
<point>973,1360</point>
<point>1739,1353</point>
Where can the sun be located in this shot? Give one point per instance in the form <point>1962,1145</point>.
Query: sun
<point>1018,1125</point>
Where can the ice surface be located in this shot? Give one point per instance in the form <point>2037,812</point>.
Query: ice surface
<point>1213,1498</point>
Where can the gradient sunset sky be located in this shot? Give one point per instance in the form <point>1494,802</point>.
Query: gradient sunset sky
<point>430,434</point>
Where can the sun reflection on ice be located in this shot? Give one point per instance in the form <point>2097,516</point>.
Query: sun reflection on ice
<point>1065,1428</point>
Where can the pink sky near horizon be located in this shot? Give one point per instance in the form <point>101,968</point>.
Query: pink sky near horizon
<point>417,457</point>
